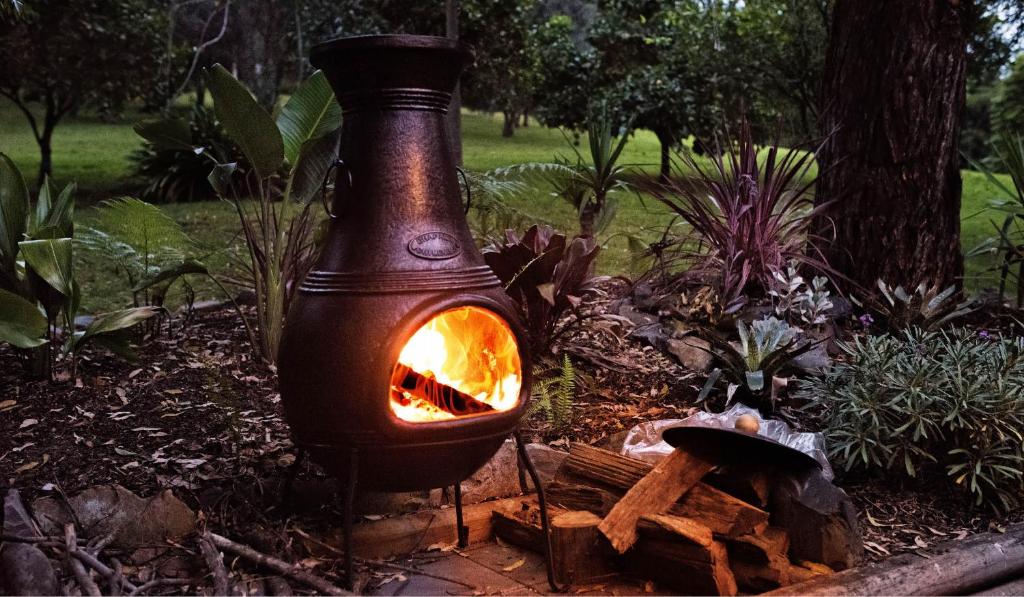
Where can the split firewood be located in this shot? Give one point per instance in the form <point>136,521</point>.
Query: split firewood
<point>279,566</point>
<point>803,571</point>
<point>440,395</point>
<point>578,551</point>
<point>587,466</point>
<point>762,577</point>
<point>759,548</point>
<point>522,526</point>
<point>682,554</point>
<point>752,485</point>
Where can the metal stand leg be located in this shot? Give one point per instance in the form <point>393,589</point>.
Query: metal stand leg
<point>350,498</point>
<point>461,528</point>
<point>293,471</point>
<point>524,457</point>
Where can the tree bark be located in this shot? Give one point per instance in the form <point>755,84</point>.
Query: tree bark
<point>451,26</point>
<point>259,47</point>
<point>667,141</point>
<point>508,127</point>
<point>894,90</point>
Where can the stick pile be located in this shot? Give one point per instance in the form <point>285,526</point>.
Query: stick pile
<point>668,523</point>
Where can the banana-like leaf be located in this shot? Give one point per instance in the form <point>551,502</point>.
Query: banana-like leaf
<point>309,114</point>
<point>50,259</point>
<point>13,212</point>
<point>62,211</point>
<point>43,202</point>
<point>220,178</point>
<point>170,133</point>
<point>111,323</point>
<point>21,322</point>
<point>188,266</point>
<point>308,172</point>
<point>246,122</point>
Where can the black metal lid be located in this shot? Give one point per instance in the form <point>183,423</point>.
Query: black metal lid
<point>738,447</point>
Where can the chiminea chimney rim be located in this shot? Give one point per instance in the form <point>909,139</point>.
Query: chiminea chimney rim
<point>389,41</point>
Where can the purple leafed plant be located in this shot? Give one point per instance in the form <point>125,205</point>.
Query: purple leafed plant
<point>749,217</point>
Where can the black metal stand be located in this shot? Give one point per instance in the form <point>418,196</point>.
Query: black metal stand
<point>462,531</point>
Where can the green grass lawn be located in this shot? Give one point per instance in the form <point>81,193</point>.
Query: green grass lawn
<point>95,155</point>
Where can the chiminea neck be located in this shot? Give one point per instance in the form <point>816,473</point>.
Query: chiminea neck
<point>403,210</point>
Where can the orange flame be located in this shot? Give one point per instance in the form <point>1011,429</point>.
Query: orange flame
<point>461,362</point>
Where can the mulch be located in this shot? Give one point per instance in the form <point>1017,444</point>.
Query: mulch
<point>196,414</point>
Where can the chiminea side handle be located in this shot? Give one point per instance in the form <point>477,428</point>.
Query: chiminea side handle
<point>338,163</point>
<point>465,181</point>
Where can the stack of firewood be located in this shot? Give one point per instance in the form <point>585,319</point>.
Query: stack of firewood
<point>687,523</point>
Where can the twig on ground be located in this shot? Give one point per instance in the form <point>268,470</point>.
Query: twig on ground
<point>156,582</point>
<point>382,563</point>
<point>85,581</point>
<point>215,562</point>
<point>277,565</point>
<point>107,572</point>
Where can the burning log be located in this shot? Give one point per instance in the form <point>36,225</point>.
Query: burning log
<point>437,394</point>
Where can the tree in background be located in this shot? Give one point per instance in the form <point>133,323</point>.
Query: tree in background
<point>1008,105</point>
<point>565,74</point>
<point>894,87</point>
<point>64,54</point>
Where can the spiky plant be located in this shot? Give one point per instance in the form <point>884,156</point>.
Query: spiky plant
<point>926,307</point>
<point>749,216</point>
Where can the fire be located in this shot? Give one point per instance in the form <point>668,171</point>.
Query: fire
<point>462,362</point>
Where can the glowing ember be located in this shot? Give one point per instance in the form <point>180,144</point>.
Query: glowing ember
<point>462,362</point>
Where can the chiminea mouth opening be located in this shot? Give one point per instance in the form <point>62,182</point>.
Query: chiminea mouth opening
<point>462,362</point>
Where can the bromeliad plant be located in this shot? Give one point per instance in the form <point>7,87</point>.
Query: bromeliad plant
<point>287,159</point>
<point>749,217</point>
<point>546,275</point>
<point>927,307</point>
<point>913,401</point>
<point>38,290</point>
<point>753,368</point>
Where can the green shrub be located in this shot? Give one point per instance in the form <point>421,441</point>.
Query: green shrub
<point>917,401</point>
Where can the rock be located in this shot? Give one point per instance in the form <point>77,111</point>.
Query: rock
<point>25,570</point>
<point>498,478</point>
<point>819,517</point>
<point>639,318</point>
<point>815,359</point>
<point>691,352</point>
<point>106,509</point>
<point>547,460</point>
<point>653,334</point>
<point>380,502</point>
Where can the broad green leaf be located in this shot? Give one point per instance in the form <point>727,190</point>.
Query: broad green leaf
<point>44,202</point>
<point>110,323</point>
<point>309,114</point>
<point>13,212</point>
<point>220,178</point>
<point>143,226</point>
<point>189,266</point>
<point>170,133</point>
<point>21,322</point>
<point>246,122</point>
<point>50,259</point>
<point>62,211</point>
<point>308,172</point>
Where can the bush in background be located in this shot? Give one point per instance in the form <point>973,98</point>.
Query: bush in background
<point>916,401</point>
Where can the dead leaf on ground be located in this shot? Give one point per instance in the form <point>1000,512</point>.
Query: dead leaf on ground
<point>517,564</point>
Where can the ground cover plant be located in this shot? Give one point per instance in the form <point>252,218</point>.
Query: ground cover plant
<point>915,402</point>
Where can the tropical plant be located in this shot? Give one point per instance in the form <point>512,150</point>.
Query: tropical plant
<point>140,240</point>
<point>489,212</point>
<point>176,171</point>
<point>38,280</point>
<point>553,395</point>
<point>914,402</point>
<point>753,367</point>
<point>590,186</point>
<point>749,218</point>
<point>1008,244</point>
<point>546,275</point>
<point>927,308</point>
<point>287,159</point>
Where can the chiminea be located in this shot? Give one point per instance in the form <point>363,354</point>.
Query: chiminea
<point>403,365</point>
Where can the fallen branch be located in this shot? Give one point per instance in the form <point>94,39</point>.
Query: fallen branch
<point>81,574</point>
<point>279,566</point>
<point>215,561</point>
<point>157,582</point>
<point>106,571</point>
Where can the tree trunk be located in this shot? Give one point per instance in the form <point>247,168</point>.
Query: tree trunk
<point>588,219</point>
<point>526,118</point>
<point>894,90</point>
<point>667,141</point>
<point>508,127</point>
<point>259,49</point>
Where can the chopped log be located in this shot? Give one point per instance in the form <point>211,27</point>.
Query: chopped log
<point>666,556</point>
<point>578,551</point>
<point>952,568</point>
<point>522,526</point>
<point>668,481</point>
<point>759,548</point>
<point>819,517</point>
<point>762,577</point>
<point>801,571</point>
<point>613,473</point>
<point>440,395</point>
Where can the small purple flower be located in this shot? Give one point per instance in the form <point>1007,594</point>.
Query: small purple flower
<point>984,335</point>
<point>866,319</point>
